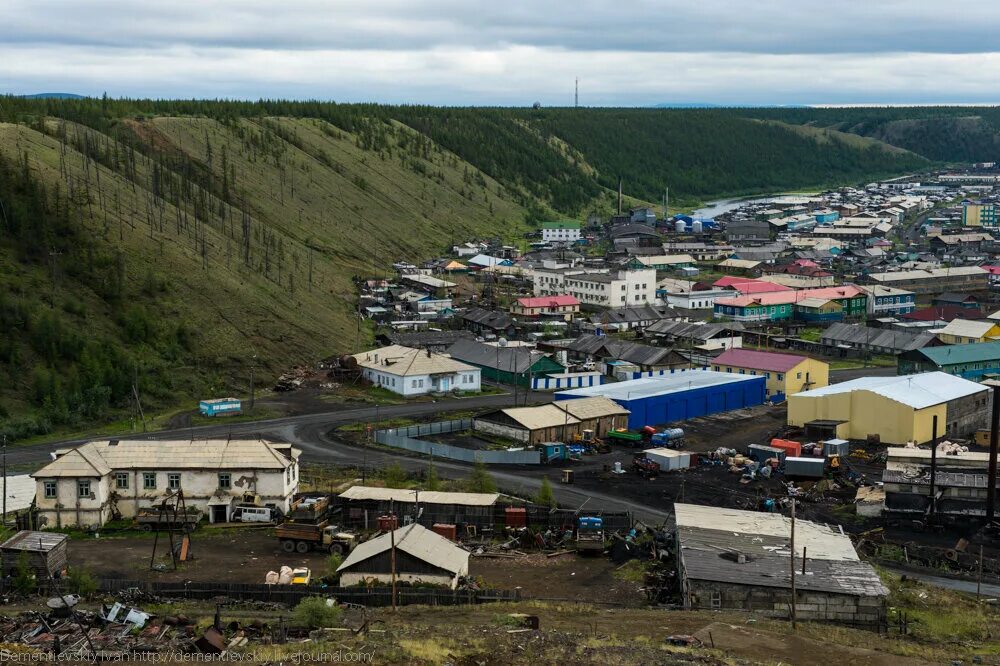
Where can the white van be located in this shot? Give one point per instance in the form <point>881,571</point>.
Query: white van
<point>253,514</point>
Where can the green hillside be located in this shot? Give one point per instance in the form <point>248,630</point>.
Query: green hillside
<point>166,244</point>
<point>946,134</point>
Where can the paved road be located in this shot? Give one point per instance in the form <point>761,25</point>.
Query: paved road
<point>310,433</point>
<point>989,591</point>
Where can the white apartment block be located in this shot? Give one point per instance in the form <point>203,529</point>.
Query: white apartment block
<point>601,288</point>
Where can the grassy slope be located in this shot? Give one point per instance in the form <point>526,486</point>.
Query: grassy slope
<point>357,210</point>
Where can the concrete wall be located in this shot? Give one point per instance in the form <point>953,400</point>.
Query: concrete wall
<point>966,415</point>
<point>775,601</point>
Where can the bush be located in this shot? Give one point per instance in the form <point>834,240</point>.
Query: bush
<point>480,480</point>
<point>333,563</point>
<point>545,497</point>
<point>81,582</point>
<point>395,476</point>
<point>24,577</point>
<point>432,482</point>
<point>314,613</point>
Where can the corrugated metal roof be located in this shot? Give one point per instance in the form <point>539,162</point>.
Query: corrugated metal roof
<point>971,353</point>
<point>516,360</point>
<point>653,386</point>
<point>967,328</point>
<point>758,360</point>
<point>883,338</point>
<point>418,541</point>
<point>541,416</point>
<point>591,408</point>
<point>916,391</point>
<point>709,536</point>
<point>407,361</point>
<point>101,457</point>
<point>425,497</point>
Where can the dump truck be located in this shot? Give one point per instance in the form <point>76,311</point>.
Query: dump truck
<point>624,437</point>
<point>589,535</point>
<point>303,537</point>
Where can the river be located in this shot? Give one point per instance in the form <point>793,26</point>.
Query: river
<point>715,208</point>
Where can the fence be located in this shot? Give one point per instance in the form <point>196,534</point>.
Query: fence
<point>292,594</point>
<point>665,372</point>
<point>570,381</point>
<point>404,438</point>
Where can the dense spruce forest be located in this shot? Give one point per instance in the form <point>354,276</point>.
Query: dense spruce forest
<point>152,251</point>
<point>943,133</point>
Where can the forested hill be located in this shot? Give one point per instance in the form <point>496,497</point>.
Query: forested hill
<point>173,242</point>
<point>943,133</point>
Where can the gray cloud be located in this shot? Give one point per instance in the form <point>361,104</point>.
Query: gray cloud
<point>512,52</point>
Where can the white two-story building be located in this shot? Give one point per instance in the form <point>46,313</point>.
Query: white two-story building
<point>110,479</point>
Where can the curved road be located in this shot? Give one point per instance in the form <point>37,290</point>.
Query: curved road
<point>310,433</point>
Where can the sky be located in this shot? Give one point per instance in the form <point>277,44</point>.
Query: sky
<point>508,52</point>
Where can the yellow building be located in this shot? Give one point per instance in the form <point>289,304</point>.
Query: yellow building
<point>969,331</point>
<point>786,373</point>
<point>897,409</point>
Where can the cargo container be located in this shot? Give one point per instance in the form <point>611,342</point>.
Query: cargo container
<point>668,459</point>
<point>836,447</point>
<point>791,449</point>
<point>809,468</point>
<point>760,453</point>
<point>445,530</point>
<point>515,517</point>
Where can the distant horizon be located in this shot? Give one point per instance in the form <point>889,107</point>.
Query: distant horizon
<point>661,105</point>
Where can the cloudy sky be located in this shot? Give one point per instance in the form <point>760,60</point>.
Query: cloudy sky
<point>509,52</point>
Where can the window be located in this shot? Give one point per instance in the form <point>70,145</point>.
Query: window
<point>149,480</point>
<point>781,377</point>
<point>798,375</point>
<point>288,474</point>
<point>83,488</point>
<point>121,480</point>
<point>225,480</point>
<point>50,490</point>
<point>174,481</point>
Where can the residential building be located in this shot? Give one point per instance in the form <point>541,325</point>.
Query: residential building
<point>700,251</point>
<point>686,294</point>
<point>952,299</point>
<point>776,306</point>
<point>639,316</point>
<point>840,338</point>
<point>489,322</point>
<point>507,365</point>
<point>601,289</point>
<point>410,372</point>
<point>729,559</point>
<point>622,358</point>
<point>896,409</point>
<point>749,231</point>
<point>970,361</point>
<point>565,231</point>
<point>697,334</point>
<point>960,483</point>
<point>786,374</point>
<point>934,281</point>
<point>107,479</point>
<point>979,214</point>
<point>361,505</point>
<point>889,301</point>
<point>563,307</point>
<point>969,331</point>
<point>661,262</point>
<point>412,554</point>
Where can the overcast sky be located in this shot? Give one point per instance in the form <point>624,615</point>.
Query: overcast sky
<point>509,52</point>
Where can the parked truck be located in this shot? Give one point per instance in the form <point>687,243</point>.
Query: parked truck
<point>589,535</point>
<point>303,537</point>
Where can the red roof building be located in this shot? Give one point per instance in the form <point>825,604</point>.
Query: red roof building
<point>563,305</point>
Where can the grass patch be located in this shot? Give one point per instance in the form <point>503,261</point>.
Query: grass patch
<point>633,571</point>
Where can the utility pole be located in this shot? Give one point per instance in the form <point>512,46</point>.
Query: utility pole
<point>253,365</point>
<point>791,548</point>
<point>576,94</point>
<point>991,482</point>
<point>4,481</point>
<point>934,444</point>
<point>392,541</point>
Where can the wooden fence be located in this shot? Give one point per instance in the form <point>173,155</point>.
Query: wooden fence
<point>292,594</point>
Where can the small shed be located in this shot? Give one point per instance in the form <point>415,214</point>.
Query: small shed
<point>46,552</point>
<point>422,556</point>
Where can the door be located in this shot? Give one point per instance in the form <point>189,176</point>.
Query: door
<point>219,513</point>
<point>445,383</point>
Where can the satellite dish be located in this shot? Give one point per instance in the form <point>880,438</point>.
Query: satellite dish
<point>502,342</point>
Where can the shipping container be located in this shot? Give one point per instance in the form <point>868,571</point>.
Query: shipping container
<point>810,468</point>
<point>515,517</point>
<point>760,453</point>
<point>791,449</point>
<point>447,531</point>
<point>836,447</point>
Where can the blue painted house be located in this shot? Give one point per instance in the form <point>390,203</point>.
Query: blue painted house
<point>971,361</point>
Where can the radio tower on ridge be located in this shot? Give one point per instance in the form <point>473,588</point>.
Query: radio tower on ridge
<point>576,94</point>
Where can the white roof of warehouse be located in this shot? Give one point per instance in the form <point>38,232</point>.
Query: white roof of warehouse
<point>917,391</point>
<point>821,541</point>
<point>425,497</point>
<point>967,328</point>
<point>418,541</point>
<point>653,386</point>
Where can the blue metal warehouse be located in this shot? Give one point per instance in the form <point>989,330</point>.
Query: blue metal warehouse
<point>678,397</point>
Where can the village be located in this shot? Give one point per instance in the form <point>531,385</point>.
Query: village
<point>788,412</point>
